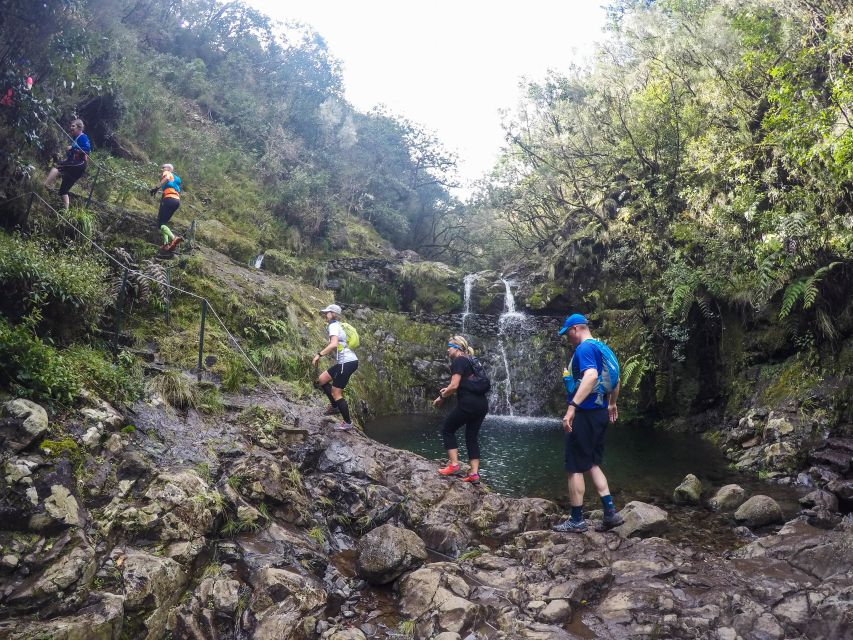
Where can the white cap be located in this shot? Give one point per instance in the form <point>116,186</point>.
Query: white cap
<point>332,307</point>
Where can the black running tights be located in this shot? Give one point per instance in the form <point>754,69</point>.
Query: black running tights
<point>472,422</point>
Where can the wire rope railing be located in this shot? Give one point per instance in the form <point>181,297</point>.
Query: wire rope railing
<point>206,305</point>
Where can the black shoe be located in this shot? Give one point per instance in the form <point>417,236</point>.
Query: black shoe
<point>331,410</point>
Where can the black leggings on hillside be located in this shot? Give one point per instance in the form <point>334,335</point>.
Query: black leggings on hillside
<point>472,422</point>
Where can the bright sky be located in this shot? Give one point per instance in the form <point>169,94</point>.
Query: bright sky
<point>450,66</point>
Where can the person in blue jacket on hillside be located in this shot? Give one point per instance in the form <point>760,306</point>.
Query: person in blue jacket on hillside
<point>590,409</point>
<point>76,159</point>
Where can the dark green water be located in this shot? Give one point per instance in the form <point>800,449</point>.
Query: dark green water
<point>524,457</point>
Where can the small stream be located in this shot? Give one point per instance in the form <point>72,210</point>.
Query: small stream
<point>524,457</point>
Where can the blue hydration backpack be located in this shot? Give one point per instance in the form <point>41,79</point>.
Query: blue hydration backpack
<point>608,377</point>
<point>174,183</point>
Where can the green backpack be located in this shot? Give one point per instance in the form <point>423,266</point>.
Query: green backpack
<point>352,335</point>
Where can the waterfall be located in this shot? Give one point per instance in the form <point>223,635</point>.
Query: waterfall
<point>468,281</point>
<point>510,322</point>
<point>258,261</point>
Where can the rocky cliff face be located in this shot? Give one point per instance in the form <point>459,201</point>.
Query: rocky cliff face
<point>247,525</point>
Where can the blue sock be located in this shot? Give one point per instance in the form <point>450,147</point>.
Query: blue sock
<point>577,514</point>
<point>607,503</point>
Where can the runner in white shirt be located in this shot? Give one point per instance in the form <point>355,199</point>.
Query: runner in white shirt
<point>335,378</point>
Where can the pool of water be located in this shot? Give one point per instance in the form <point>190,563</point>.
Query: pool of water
<point>524,457</point>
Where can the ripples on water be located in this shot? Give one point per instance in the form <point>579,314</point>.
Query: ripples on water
<point>524,457</point>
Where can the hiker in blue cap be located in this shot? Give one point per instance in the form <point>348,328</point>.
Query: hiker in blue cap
<point>592,382</point>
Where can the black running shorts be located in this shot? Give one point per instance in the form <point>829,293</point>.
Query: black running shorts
<point>341,373</point>
<point>71,171</point>
<point>585,444</point>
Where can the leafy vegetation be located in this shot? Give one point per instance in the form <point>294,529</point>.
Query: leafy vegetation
<point>697,176</point>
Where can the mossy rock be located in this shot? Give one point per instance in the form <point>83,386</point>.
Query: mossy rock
<point>430,286</point>
<point>222,238</point>
<point>543,295</point>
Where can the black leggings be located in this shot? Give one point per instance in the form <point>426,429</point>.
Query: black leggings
<point>168,206</point>
<point>472,422</point>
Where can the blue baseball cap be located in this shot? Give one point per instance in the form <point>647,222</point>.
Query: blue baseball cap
<point>571,321</point>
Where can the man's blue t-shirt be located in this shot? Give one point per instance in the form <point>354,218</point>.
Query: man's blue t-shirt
<point>80,149</point>
<point>587,356</point>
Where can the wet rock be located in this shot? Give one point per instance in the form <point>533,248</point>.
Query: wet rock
<point>152,586</point>
<point>555,611</point>
<point>779,454</point>
<point>642,520</point>
<point>759,511</point>
<point>777,427</point>
<point>62,506</point>
<point>728,498</point>
<point>225,595</point>
<point>70,574</point>
<point>841,488</point>
<point>689,491</point>
<point>283,600</point>
<point>425,596</point>
<point>105,414</point>
<point>384,554</point>
<point>22,422</point>
<point>836,459</point>
<point>100,619</point>
<point>819,498</point>
<point>448,635</point>
<point>823,475</point>
<point>348,634</point>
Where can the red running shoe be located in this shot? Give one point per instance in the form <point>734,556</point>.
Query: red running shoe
<point>449,470</point>
<point>473,478</point>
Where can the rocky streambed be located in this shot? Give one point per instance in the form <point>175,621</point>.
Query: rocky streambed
<point>264,523</point>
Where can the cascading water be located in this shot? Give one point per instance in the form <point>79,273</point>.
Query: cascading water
<point>510,322</point>
<point>468,281</point>
<point>258,261</point>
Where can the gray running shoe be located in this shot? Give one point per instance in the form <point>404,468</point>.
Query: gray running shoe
<point>570,526</point>
<point>342,426</point>
<point>611,520</point>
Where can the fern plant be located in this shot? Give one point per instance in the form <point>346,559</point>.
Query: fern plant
<point>143,280</point>
<point>805,288</point>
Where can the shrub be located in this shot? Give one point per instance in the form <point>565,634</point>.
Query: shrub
<point>119,381</point>
<point>68,288</point>
<point>34,368</point>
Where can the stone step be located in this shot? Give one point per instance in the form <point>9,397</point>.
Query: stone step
<point>834,458</point>
<point>840,443</point>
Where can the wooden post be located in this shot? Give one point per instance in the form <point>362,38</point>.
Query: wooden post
<point>201,339</point>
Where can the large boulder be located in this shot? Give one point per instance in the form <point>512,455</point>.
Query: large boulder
<point>728,498</point>
<point>21,423</point>
<point>642,520</point>
<point>759,511</point>
<point>387,552</point>
<point>689,491</point>
<point>152,586</point>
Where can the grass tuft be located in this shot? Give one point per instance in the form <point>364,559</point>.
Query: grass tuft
<point>175,389</point>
